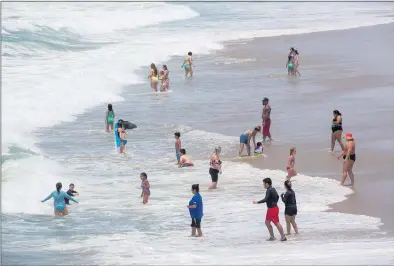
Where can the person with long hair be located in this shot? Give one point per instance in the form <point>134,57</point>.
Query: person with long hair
<point>59,204</point>
<point>289,199</point>
<point>336,128</point>
<point>215,167</point>
<point>109,118</point>
<point>296,63</point>
<point>153,77</point>
<point>167,75</point>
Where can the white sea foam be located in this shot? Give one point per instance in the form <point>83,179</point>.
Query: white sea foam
<point>233,226</point>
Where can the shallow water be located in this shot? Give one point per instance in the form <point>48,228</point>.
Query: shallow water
<point>110,225</point>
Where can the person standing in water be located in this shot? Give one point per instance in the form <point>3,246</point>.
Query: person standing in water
<point>184,161</point>
<point>71,192</point>
<point>271,199</point>
<point>266,117</point>
<point>296,63</point>
<point>178,146</point>
<point>167,74</point>
<point>290,164</point>
<point>122,137</point>
<point>196,211</point>
<point>153,77</point>
<point>187,64</point>
<point>289,199</point>
<point>349,156</point>
<point>59,203</point>
<point>215,167</point>
<point>245,138</point>
<point>164,82</point>
<point>290,66</point>
<point>145,188</point>
<point>109,118</point>
<point>336,128</point>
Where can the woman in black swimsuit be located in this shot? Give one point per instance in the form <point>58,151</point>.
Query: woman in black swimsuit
<point>336,128</point>
<point>289,200</point>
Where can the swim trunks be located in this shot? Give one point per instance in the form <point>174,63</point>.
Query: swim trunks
<point>266,127</point>
<point>272,215</point>
<point>244,138</point>
<point>196,223</point>
<point>214,174</point>
<point>178,157</point>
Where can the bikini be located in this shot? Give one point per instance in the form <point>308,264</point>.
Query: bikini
<point>352,156</point>
<point>336,127</point>
<point>292,160</point>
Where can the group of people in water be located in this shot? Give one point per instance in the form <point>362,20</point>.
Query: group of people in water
<point>293,62</point>
<point>195,206</point>
<point>163,76</point>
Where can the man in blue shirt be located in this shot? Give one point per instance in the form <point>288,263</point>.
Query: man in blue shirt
<point>196,211</point>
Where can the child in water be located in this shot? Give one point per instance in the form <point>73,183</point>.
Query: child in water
<point>145,188</point>
<point>259,149</point>
<point>178,146</point>
<point>290,164</point>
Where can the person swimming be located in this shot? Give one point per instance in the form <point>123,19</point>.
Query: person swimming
<point>145,188</point>
<point>259,149</point>
<point>245,138</point>
<point>153,77</point>
<point>59,204</point>
<point>184,161</point>
<point>187,64</point>
<point>109,118</point>
<point>349,157</point>
<point>290,164</point>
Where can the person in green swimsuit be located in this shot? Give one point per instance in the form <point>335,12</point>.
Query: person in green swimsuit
<point>109,118</point>
<point>290,66</point>
<point>187,64</point>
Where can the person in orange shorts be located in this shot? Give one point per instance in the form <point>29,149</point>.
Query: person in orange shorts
<point>271,199</point>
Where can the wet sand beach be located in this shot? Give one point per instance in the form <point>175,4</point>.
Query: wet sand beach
<point>350,70</point>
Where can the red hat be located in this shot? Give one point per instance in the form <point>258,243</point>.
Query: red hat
<point>348,136</point>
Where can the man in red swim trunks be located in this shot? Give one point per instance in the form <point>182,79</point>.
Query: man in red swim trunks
<point>271,199</point>
<point>266,116</point>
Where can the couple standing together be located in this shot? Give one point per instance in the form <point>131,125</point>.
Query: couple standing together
<point>155,76</point>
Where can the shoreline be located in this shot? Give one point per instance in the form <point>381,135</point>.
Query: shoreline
<point>376,180</point>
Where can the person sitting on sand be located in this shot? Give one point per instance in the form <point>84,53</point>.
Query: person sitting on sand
<point>244,139</point>
<point>185,160</point>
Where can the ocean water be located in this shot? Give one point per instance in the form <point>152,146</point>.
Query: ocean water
<point>63,62</point>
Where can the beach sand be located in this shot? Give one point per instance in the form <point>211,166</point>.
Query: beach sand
<point>349,70</point>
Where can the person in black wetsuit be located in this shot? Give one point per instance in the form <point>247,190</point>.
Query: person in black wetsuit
<point>71,192</point>
<point>271,199</point>
<point>337,130</point>
<point>289,199</point>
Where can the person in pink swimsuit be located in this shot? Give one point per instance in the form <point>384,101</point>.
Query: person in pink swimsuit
<point>290,164</point>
